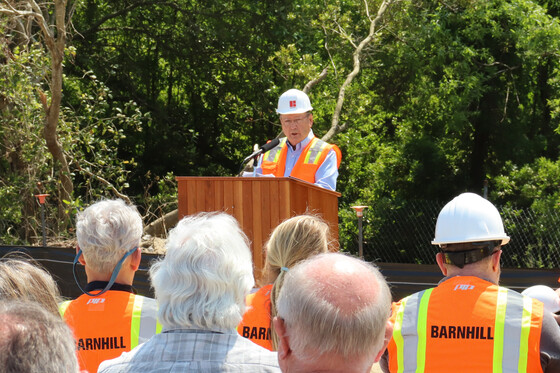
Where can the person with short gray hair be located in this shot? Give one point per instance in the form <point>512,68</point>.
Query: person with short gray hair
<point>333,313</point>
<point>33,340</point>
<point>109,318</point>
<point>200,286</point>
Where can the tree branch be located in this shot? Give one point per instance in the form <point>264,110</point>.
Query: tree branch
<point>335,126</point>
<point>316,81</point>
<point>126,10</point>
<point>102,180</point>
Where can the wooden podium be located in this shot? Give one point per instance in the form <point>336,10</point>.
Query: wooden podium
<point>258,203</point>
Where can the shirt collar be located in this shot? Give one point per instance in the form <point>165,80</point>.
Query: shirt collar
<point>302,144</point>
<point>100,285</point>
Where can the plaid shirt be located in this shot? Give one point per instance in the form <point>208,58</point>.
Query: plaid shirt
<point>194,350</point>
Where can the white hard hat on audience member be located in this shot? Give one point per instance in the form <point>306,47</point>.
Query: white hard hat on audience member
<point>469,218</point>
<point>545,294</point>
<point>293,101</point>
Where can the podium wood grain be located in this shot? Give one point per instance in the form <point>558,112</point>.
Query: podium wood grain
<point>258,204</point>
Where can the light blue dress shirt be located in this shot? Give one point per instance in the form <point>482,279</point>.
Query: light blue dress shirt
<point>326,174</point>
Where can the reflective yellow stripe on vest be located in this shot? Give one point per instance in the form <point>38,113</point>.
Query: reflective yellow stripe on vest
<point>142,326</point>
<point>315,151</point>
<point>273,155</point>
<point>410,330</point>
<point>511,343</point>
<point>63,306</point>
<point>525,331</point>
<point>515,339</point>
<point>499,327</point>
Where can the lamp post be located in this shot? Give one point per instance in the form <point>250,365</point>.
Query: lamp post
<point>41,198</point>
<point>360,214</point>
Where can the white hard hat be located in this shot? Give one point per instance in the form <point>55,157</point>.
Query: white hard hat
<point>545,294</point>
<point>469,218</point>
<point>293,101</point>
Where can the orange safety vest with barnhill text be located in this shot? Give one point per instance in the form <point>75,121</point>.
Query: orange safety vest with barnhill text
<point>466,324</point>
<point>108,325</point>
<point>256,320</point>
<point>311,158</point>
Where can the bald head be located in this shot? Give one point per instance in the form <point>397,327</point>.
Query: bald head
<point>350,285</point>
<point>334,305</point>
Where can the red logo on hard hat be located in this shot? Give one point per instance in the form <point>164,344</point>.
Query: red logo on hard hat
<point>293,103</point>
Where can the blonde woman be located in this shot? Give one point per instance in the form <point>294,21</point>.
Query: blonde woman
<point>294,240</point>
<point>25,280</point>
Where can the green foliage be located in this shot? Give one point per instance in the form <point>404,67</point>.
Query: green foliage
<point>22,159</point>
<point>90,131</point>
<point>449,94</point>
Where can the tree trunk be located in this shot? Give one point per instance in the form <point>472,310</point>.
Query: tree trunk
<point>56,44</point>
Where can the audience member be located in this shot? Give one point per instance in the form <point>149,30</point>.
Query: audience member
<point>548,296</point>
<point>468,323</point>
<point>333,313</point>
<point>34,340</point>
<point>545,294</point>
<point>200,286</point>
<point>109,318</point>
<point>292,241</point>
<point>24,280</point>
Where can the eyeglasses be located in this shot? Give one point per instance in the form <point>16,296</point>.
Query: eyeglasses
<point>295,121</point>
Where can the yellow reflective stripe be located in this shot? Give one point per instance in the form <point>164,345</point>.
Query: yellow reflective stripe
<point>273,155</point>
<point>319,153</point>
<point>422,331</point>
<point>63,306</point>
<point>135,321</point>
<point>278,150</point>
<point>308,155</point>
<point>499,325</point>
<point>397,335</point>
<point>315,151</point>
<point>525,330</point>
<point>158,327</point>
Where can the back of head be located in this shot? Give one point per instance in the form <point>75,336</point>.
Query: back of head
<point>469,229</point>
<point>335,305</point>
<point>106,231</point>
<point>33,340</point>
<point>469,218</point>
<point>23,281</point>
<point>292,241</point>
<point>205,275</point>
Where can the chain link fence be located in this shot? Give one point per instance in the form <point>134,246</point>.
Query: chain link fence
<point>403,234</point>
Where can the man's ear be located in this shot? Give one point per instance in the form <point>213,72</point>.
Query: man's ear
<point>441,264</point>
<point>81,258</point>
<point>496,261</point>
<point>283,339</point>
<point>135,259</point>
<point>387,338</point>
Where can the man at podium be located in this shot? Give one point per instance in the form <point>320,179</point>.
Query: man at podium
<point>300,154</point>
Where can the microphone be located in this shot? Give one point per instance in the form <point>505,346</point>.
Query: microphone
<point>266,147</point>
<point>263,149</point>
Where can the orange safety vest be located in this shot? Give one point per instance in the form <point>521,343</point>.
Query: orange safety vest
<point>108,325</point>
<point>311,158</point>
<point>256,320</point>
<point>466,324</point>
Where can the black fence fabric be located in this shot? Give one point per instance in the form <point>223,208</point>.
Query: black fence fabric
<point>403,234</point>
<point>404,279</point>
<point>58,261</point>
